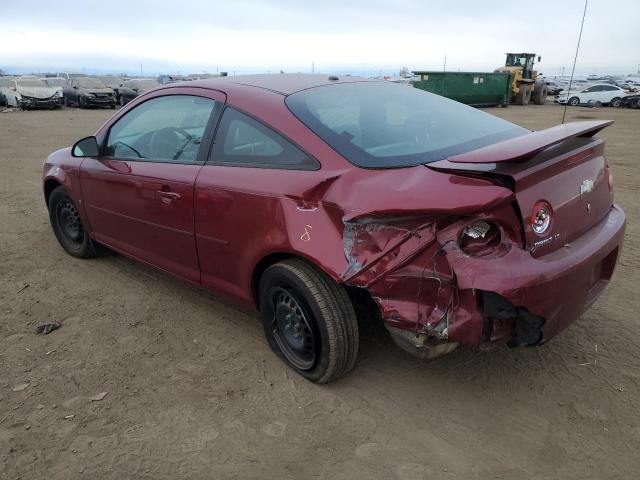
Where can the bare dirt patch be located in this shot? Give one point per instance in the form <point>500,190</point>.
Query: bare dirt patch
<point>194,392</point>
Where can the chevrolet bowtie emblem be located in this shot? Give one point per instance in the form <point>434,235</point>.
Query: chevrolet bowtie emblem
<point>586,186</point>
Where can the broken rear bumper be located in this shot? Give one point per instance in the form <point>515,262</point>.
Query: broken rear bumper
<point>516,298</point>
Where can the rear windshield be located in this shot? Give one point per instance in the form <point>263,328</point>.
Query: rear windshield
<point>386,125</point>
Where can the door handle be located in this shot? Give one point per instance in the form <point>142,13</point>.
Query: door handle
<point>168,197</point>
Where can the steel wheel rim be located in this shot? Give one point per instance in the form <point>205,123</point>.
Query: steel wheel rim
<point>69,222</point>
<point>292,330</point>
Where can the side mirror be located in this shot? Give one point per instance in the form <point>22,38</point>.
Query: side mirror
<point>134,89</point>
<point>87,147</point>
<point>75,86</point>
<point>539,58</point>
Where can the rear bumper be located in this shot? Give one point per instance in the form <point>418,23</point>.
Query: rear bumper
<point>515,299</point>
<point>546,293</point>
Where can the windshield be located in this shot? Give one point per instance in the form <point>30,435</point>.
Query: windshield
<point>56,82</point>
<point>31,83</point>
<point>111,81</point>
<point>90,83</point>
<point>385,125</point>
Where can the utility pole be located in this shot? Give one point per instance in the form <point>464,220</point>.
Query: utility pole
<point>141,70</point>
<point>313,66</point>
<point>444,67</point>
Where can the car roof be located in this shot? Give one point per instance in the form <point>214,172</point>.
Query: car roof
<point>282,83</point>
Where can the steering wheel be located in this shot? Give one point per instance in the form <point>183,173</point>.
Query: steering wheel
<point>165,142</point>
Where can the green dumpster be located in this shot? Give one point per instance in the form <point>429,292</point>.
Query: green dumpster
<point>479,89</point>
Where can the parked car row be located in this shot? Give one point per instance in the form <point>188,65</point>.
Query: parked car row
<point>30,92</point>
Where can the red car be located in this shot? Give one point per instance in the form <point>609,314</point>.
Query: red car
<point>325,201</point>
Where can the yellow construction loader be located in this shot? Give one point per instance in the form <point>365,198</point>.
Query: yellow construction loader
<point>525,84</point>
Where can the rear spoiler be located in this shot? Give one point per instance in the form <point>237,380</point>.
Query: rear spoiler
<point>520,148</point>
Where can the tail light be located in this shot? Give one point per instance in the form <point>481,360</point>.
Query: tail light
<point>610,180</point>
<point>541,216</point>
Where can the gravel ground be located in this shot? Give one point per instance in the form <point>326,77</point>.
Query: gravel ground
<point>194,392</point>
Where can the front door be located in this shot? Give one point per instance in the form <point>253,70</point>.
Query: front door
<point>139,193</point>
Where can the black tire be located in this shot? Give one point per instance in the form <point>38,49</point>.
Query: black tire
<point>309,320</point>
<point>540,94</point>
<point>615,102</point>
<point>67,225</point>
<point>122,101</point>
<point>574,101</point>
<point>524,94</point>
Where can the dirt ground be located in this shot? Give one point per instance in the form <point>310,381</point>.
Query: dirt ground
<point>193,391</point>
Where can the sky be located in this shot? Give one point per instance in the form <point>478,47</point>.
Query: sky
<point>329,36</point>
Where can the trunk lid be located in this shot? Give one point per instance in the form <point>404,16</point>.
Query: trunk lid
<point>563,165</point>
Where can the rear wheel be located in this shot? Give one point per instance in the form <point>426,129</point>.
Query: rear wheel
<point>615,102</point>
<point>309,321</point>
<point>67,225</point>
<point>573,101</point>
<point>524,95</point>
<point>122,101</point>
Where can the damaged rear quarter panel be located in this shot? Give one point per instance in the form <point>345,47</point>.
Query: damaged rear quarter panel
<point>395,254</point>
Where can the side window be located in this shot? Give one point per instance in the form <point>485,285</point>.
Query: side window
<point>167,129</point>
<point>245,142</point>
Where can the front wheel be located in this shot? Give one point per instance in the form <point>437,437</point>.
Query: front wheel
<point>67,225</point>
<point>309,321</point>
<point>615,102</point>
<point>122,101</point>
<point>524,95</point>
<point>573,101</point>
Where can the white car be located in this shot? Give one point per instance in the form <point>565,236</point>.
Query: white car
<point>603,93</point>
<point>30,92</point>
